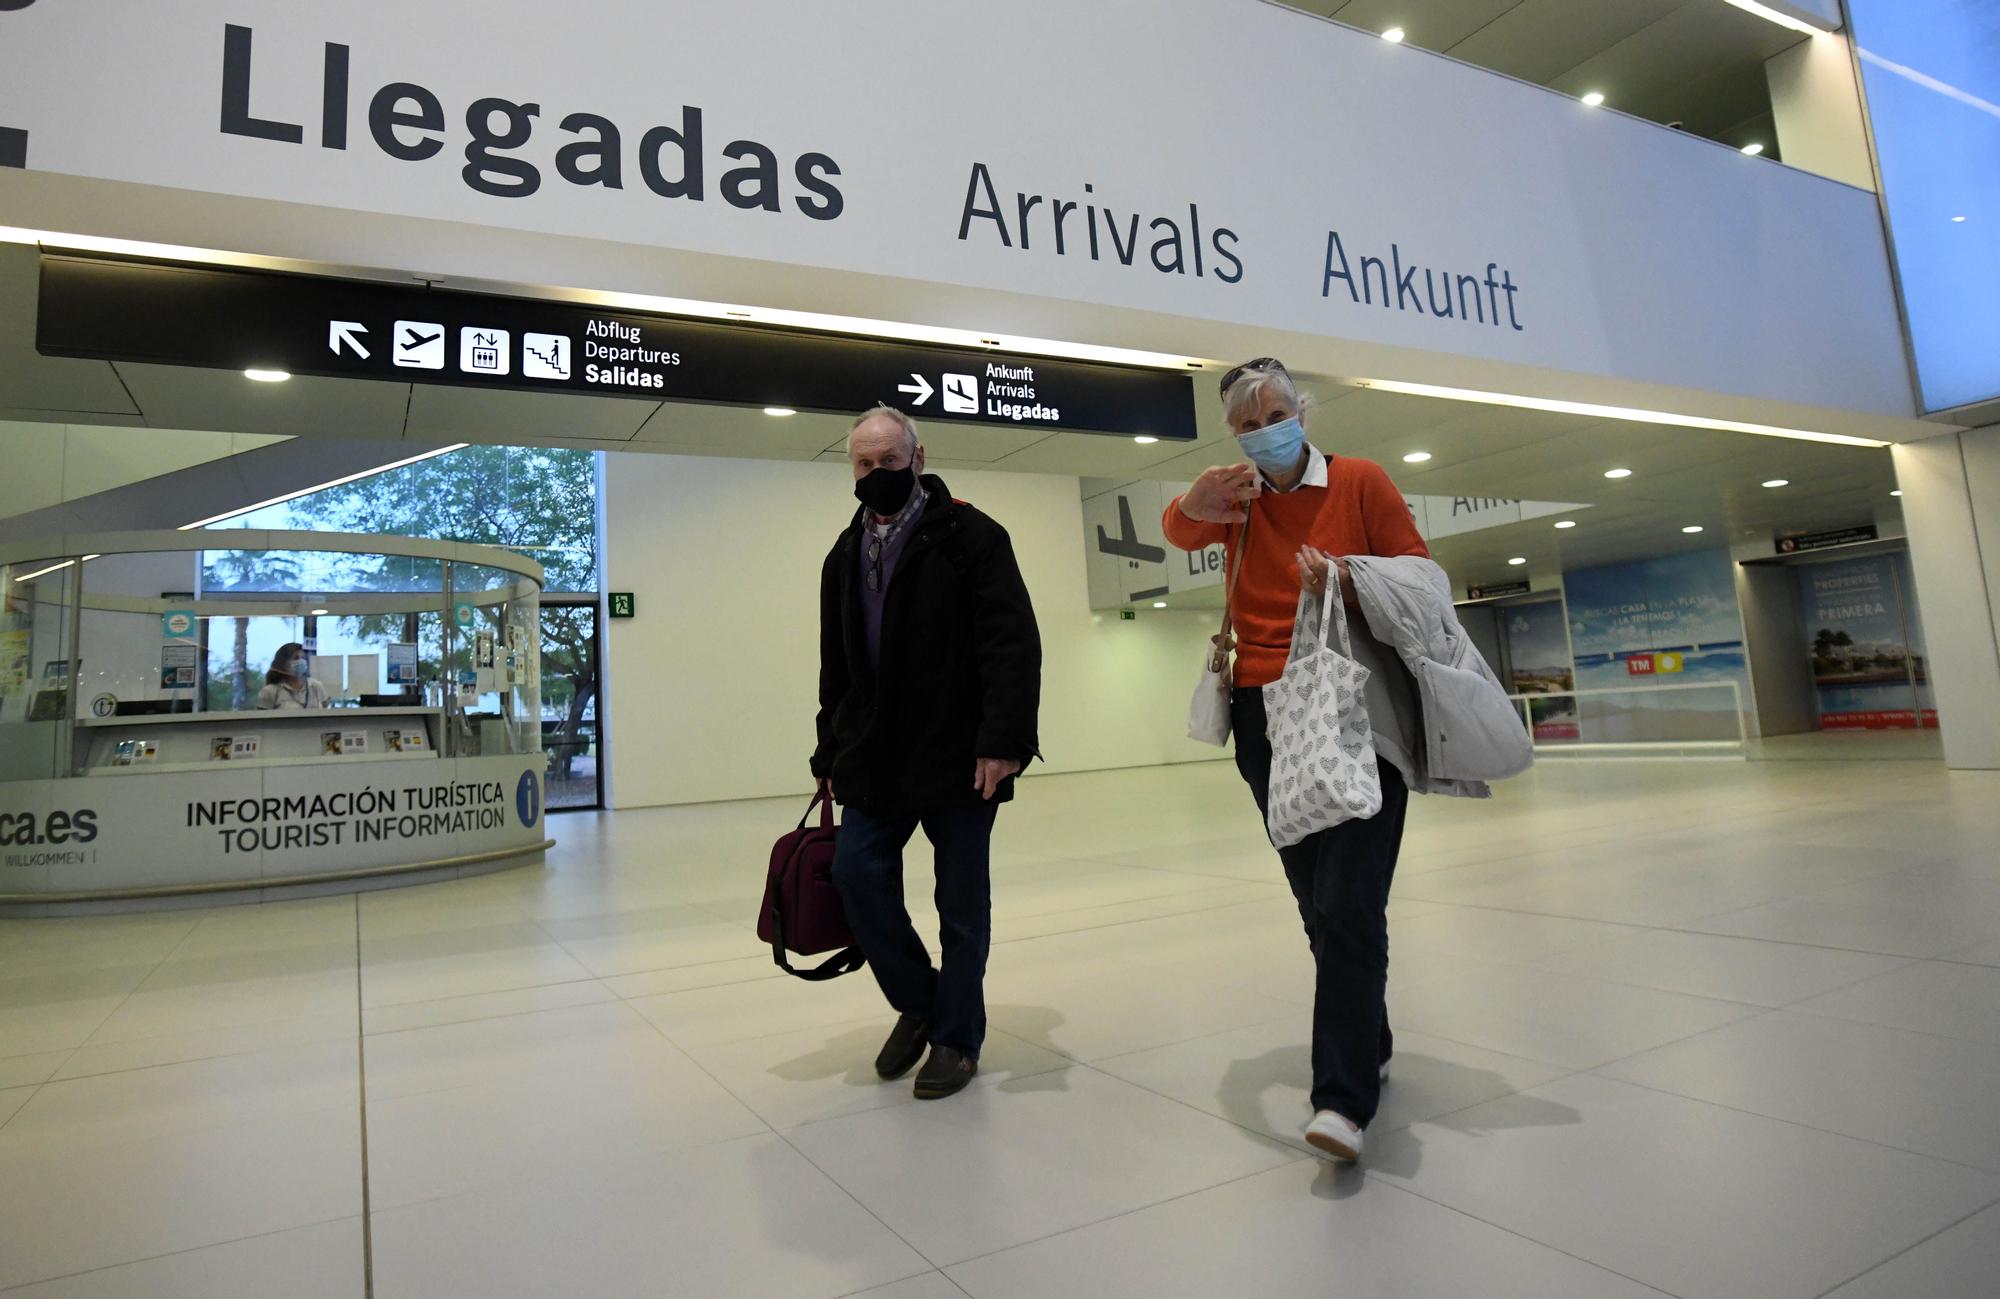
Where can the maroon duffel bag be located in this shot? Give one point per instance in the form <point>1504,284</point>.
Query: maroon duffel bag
<point>802,912</point>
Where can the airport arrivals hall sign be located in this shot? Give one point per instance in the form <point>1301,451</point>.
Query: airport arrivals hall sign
<point>1095,153</point>
<point>686,159</point>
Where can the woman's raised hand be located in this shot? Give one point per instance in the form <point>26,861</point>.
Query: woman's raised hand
<point>1221,494</point>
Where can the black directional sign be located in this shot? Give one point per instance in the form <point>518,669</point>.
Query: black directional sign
<point>172,314</point>
<point>1795,542</point>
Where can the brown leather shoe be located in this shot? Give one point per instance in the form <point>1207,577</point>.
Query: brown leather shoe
<point>947,1071</point>
<point>905,1046</point>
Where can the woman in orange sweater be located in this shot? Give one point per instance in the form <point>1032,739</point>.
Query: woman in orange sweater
<point>1288,519</point>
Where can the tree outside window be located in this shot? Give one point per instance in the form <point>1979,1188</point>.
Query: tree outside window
<point>537,501</point>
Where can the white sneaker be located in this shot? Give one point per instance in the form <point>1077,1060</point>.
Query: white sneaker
<point>1333,1134</point>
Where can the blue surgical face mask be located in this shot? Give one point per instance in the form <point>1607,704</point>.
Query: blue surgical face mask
<point>1276,447</point>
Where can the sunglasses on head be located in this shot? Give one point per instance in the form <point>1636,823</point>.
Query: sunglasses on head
<point>1260,365</point>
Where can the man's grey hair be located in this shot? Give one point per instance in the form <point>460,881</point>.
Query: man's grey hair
<point>903,422</point>
<point>1251,389</point>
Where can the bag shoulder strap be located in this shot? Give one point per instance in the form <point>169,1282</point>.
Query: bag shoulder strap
<point>845,961</point>
<point>824,802</point>
<point>1223,644</point>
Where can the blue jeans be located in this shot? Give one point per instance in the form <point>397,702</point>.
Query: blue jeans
<point>868,871</point>
<point>1340,879</point>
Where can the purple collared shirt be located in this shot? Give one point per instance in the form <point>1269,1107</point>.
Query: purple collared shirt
<point>895,535</point>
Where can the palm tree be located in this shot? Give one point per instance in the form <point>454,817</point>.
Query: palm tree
<point>248,571</point>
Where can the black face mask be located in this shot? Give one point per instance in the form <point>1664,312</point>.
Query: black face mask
<point>886,491</point>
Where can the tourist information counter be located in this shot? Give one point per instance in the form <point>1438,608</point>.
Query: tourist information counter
<point>135,762</point>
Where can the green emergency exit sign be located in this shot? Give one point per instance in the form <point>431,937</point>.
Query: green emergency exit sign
<point>623,605</point>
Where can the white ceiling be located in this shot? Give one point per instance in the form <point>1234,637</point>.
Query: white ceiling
<point>1681,476</point>
<point>1698,62</point>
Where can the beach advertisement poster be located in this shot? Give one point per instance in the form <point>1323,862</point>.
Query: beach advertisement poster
<point>1665,637</point>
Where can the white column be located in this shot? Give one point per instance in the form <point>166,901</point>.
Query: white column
<point>1951,503</point>
<point>1817,107</point>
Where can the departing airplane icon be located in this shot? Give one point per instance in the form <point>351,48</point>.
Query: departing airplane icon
<point>1127,545</point>
<point>419,344</point>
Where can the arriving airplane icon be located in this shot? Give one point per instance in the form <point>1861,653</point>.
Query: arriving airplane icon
<point>961,394</point>
<point>1127,545</point>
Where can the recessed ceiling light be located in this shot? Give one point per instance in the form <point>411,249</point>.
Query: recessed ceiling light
<point>1145,441</point>
<point>1394,36</point>
<point>1692,528</point>
<point>1416,457</point>
<point>1753,149</point>
<point>1567,523</point>
<point>1159,604</point>
<point>1897,492</point>
<point>1618,473</point>
<point>317,613</point>
<point>1518,560</point>
<point>1777,482</point>
<point>1957,219</point>
<point>1593,99</point>
<point>779,411</point>
<point>268,376</point>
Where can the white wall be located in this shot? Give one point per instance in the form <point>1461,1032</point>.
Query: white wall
<point>712,688</point>
<point>50,464</point>
<point>1951,504</point>
<point>121,650</point>
<point>1817,108</point>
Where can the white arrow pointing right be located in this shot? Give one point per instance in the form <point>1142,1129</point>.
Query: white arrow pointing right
<point>344,331</point>
<point>922,388</point>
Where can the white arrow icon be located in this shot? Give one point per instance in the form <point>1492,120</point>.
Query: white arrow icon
<point>922,388</point>
<point>344,331</point>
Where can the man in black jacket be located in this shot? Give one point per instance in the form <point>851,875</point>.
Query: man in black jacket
<point>929,684</point>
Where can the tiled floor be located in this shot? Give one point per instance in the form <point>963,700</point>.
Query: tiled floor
<point>1704,1029</point>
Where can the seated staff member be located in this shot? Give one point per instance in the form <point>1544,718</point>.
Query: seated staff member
<point>1289,517</point>
<point>289,683</point>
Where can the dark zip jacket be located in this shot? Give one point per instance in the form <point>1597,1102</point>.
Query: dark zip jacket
<point>961,665</point>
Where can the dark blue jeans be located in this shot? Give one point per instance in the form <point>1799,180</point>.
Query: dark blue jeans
<point>868,870</point>
<point>1340,878</point>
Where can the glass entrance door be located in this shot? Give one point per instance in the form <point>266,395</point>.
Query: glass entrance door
<point>572,734</point>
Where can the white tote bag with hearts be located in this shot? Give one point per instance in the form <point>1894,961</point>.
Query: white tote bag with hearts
<point>1322,747</point>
